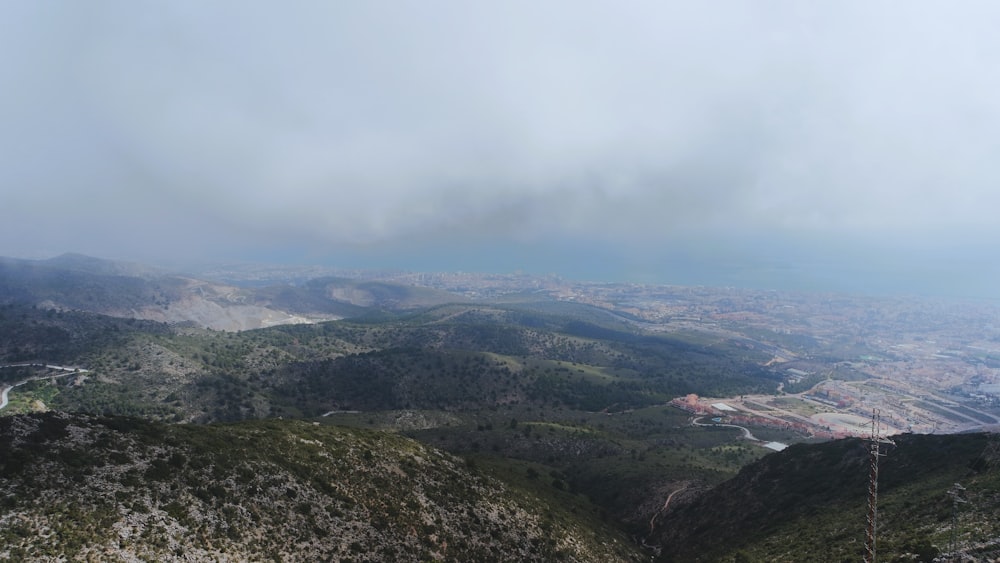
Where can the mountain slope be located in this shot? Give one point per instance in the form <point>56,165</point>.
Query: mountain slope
<point>808,503</point>
<point>85,487</point>
<point>461,357</point>
<point>83,283</point>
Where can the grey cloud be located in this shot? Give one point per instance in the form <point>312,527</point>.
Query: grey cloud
<point>345,125</point>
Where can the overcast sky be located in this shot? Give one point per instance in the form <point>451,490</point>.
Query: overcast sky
<point>668,141</point>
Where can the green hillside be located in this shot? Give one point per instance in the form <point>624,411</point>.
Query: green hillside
<point>79,488</point>
<point>808,503</point>
<point>459,357</point>
<point>422,429</point>
<point>571,403</point>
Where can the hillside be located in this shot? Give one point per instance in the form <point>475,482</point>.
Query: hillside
<point>808,503</point>
<point>568,403</point>
<point>83,283</point>
<point>82,488</point>
<point>557,414</point>
<point>460,357</point>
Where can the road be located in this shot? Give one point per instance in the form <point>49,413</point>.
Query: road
<point>746,431</point>
<point>3,394</point>
<point>6,389</point>
<point>50,366</point>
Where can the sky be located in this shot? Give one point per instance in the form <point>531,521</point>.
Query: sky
<point>817,145</point>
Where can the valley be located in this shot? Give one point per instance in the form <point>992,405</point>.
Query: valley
<point>552,282</point>
<point>618,405</point>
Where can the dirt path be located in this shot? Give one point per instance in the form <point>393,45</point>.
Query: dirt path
<point>666,505</point>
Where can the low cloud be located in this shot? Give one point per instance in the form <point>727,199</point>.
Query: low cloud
<point>330,126</point>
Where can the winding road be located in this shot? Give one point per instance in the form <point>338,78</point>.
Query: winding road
<point>3,394</point>
<point>746,431</point>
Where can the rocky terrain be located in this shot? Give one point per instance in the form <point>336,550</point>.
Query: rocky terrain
<point>81,488</point>
<point>82,283</point>
<point>808,503</point>
<point>525,428</point>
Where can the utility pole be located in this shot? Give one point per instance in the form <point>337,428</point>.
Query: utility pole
<point>874,453</point>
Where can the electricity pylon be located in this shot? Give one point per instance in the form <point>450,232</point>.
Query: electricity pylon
<point>874,447</point>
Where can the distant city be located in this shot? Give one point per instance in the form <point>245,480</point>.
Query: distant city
<point>927,365</point>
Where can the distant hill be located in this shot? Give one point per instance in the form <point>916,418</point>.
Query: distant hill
<point>448,357</point>
<point>103,488</point>
<point>559,403</point>
<point>101,266</point>
<point>566,402</point>
<point>83,283</point>
<point>47,335</point>
<point>384,295</point>
<point>808,503</point>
